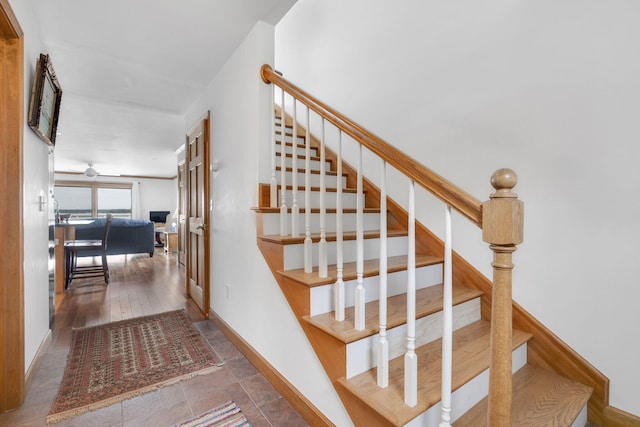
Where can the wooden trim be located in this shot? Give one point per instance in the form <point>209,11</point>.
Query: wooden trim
<point>168,178</point>
<point>9,26</point>
<point>460,200</point>
<point>614,417</point>
<point>298,401</point>
<point>12,378</point>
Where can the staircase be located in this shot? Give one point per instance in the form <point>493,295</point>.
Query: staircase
<point>347,339</point>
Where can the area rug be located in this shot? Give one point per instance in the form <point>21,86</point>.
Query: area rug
<point>113,362</point>
<point>227,415</point>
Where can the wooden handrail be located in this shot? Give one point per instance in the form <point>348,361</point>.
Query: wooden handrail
<point>449,193</point>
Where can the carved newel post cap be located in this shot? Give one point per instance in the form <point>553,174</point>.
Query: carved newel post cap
<point>502,214</point>
<point>503,180</point>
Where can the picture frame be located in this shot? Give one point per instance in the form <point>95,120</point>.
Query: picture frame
<point>46,94</point>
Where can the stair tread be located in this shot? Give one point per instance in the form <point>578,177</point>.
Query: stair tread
<point>312,171</point>
<point>315,210</point>
<point>327,189</point>
<point>371,268</point>
<point>428,301</point>
<point>540,397</point>
<point>302,157</point>
<point>471,356</point>
<point>330,237</point>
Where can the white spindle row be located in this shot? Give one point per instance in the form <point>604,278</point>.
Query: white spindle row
<point>308,262</point>
<point>360,292</point>
<point>283,171</point>
<point>447,323</point>
<point>322,249</point>
<point>295,209</point>
<point>273,194</point>
<point>383,345</point>
<point>410,358</point>
<point>339,287</point>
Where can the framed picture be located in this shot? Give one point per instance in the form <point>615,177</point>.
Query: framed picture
<point>44,107</point>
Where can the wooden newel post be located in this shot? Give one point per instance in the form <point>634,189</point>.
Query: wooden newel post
<point>502,228</point>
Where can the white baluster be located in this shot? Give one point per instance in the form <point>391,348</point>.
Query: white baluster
<point>359,297</point>
<point>383,344</point>
<point>339,286</point>
<point>283,173</point>
<point>447,324</point>
<point>410,358</point>
<point>273,193</point>
<point>308,261</point>
<point>322,246</point>
<point>295,209</point>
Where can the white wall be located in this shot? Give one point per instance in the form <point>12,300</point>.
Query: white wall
<point>547,88</point>
<point>240,110</point>
<point>36,183</point>
<point>155,194</point>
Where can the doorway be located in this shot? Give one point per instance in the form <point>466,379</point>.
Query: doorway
<point>12,372</point>
<point>197,213</point>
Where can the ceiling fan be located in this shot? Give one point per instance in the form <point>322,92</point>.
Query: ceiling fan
<point>90,171</point>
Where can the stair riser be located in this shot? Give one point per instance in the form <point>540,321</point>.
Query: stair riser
<point>362,354</point>
<point>330,181</point>
<point>301,151</point>
<point>314,164</point>
<point>468,395</point>
<point>322,297</point>
<point>348,199</point>
<point>271,222</point>
<point>294,254</point>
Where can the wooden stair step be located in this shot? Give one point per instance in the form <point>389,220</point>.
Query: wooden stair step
<point>290,144</point>
<point>289,131</point>
<point>540,398</point>
<point>370,268</point>
<point>471,356</point>
<point>303,157</point>
<point>330,237</point>
<point>312,171</point>
<point>315,210</point>
<point>328,190</point>
<point>428,301</point>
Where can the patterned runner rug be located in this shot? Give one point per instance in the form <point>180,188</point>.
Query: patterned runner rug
<point>227,415</point>
<point>113,362</point>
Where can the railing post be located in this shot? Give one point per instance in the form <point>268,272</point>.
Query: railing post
<point>502,228</point>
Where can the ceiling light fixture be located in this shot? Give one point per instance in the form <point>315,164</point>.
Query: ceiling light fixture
<point>90,171</point>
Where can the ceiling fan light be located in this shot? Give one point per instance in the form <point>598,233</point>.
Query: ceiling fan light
<point>90,171</point>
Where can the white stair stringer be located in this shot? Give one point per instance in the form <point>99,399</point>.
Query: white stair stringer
<point>361,354</point>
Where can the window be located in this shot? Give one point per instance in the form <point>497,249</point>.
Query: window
<point>93,199</point>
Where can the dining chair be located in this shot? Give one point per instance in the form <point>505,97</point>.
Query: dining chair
<point>74,248</point>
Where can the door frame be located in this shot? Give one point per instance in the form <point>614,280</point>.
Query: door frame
<point>12,372</point>
<point>205,121</point>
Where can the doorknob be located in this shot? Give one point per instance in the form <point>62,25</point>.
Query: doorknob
<point>202,227</point>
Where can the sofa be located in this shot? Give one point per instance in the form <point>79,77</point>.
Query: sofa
<point>126,236</point>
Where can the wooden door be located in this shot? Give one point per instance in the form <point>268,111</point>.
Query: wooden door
<point>197,161</point>
<point>182,209</point>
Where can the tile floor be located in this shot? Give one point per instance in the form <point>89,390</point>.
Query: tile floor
<point>237,380</point>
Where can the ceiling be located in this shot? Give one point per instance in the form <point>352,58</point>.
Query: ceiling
<point>130,69</point>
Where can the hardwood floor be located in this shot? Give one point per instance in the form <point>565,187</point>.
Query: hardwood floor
<point>139,286</point>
